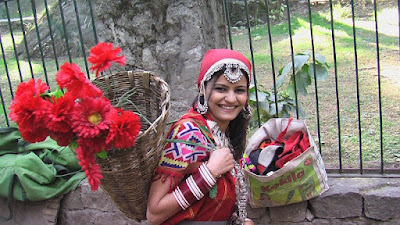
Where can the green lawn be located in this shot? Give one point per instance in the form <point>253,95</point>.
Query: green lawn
<point>352,106</point>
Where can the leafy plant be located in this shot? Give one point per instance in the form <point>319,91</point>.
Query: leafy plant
<point>304,72</point>
<point>303,76</point>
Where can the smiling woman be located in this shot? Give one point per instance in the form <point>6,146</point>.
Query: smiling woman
<point>194,182</point>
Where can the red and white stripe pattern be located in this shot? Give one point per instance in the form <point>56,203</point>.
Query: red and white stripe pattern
<point>194,187</point>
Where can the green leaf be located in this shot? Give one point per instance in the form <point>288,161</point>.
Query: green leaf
<point>320,58</point>
<point>272,110</point>
<point>102,154</point>
<point>262,96</point>
<point>264,105</point>
<point>57,94</point>
<point>321,72</point>
<point>285,70</point>
<point>300,60</point>
<point>302,82</point>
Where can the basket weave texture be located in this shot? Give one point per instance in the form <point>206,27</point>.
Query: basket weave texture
<point>127,173</point>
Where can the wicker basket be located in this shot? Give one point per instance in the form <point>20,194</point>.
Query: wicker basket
<point>127,173</point>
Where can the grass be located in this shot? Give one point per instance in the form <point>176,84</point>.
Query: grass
<point>356,112</point>
<point>365,106</point>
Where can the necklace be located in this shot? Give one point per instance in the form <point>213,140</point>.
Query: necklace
<point>241,187</point>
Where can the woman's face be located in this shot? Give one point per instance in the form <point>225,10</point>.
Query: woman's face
<point>226,99</point>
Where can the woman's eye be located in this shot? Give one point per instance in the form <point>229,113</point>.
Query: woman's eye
<point>220,88</point>
<point>240,90</point>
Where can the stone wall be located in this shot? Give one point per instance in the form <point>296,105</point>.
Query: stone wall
<point>348,201</point>
<point>166,37</point>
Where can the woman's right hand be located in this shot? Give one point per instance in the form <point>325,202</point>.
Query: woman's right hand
<point>220,162</point>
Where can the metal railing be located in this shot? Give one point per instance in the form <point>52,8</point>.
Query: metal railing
<point>337,115</point>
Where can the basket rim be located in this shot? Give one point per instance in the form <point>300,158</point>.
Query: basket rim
<point>165,91</point>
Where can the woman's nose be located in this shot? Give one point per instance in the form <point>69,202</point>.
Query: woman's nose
<point>230,97</point>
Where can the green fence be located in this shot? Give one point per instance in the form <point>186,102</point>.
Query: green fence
<point>334,64</point>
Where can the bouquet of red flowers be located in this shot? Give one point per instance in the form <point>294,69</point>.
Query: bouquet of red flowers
<point>77,115</point>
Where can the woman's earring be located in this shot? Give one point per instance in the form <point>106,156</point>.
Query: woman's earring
<point>202,106</point>
<point>247,112</point>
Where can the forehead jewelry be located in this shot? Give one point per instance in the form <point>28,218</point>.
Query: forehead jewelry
<point>233,73</point>
<point>233,69</point>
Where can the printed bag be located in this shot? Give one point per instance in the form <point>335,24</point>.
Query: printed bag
<point>300,179</point>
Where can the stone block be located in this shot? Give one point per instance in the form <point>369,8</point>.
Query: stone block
<point>289,213</point>
<point>255,213</point>
<point>382,203</point>
<point>309,215</point>
<point>340,201</point>
<point>37,212</point>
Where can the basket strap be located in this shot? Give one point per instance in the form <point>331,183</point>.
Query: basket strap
<point>146,80</point>
<point>131,80</point>
<point>110,90</point>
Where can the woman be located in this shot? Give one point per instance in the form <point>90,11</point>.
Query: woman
<point>198,174</point>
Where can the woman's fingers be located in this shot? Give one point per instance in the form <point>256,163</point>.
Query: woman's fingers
<point>220,162</point>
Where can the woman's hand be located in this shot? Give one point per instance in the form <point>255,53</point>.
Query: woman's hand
<point>248,222</point>
<point>220,162</point>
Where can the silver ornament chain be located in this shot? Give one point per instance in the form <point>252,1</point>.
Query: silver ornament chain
<point>241,186</point>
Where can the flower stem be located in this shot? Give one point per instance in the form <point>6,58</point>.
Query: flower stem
<point>188,143</point>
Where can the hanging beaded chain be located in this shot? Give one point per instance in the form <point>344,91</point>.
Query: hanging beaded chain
<point>241,195</point>
<point>241,186</point>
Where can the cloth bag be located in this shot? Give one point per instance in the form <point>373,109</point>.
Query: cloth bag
<point>300,179</point>
<point>35,171</point>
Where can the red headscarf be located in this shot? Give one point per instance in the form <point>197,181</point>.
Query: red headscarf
<point>215,59</point>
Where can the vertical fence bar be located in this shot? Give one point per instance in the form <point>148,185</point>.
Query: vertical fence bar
<point>358,85</point>
<point>51,34</point>
<point>3,104</point>
<point>252,61</point>
<point>228,21</point>
<point>25,41</point>
<point>6,68</point>
<point>13,41</point>
<point>336,86</point>
<point>378,64</point>
<point>33,5</point>
<point>292,55</point>
<point>272,58</point>
<point>93,22</point>
<point>81,39</point>
<point>315,76</point>
<point>65,30</point>
<point>4,107</point>
<point>9,84</point>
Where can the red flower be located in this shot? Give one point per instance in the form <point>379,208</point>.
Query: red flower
<point>102,55</point>
<point>124,129</point>
<point>95,144</point>
<point>31,88</point>
<point>30,111</point>
<point>74,80</point>
<point>88,164</point>
<point>62,138</point>
<point>82,115</point>
<point>90,117</point>
<point>59,123</point>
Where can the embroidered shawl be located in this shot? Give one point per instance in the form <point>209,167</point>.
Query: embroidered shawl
<point>179,160</point>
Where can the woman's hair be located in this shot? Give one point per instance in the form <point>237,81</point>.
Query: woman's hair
<point>237,128</point>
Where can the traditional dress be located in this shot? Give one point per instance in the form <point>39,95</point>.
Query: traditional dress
<point>181,159</point>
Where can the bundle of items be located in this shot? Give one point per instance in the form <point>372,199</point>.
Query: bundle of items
<point>272,155</point>
<point>115,124</point>
<point>282,164</point>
